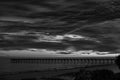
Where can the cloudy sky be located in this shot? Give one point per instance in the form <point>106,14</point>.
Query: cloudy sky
<point>43,24</point>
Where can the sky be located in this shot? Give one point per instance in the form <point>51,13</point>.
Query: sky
<point>43,24</point>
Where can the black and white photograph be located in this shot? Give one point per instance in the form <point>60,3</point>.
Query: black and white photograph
<point>59,39</point>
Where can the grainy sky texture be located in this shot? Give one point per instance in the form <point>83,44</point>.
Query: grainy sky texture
<point>35,24</point>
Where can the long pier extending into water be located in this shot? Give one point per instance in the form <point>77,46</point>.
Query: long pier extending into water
<point>34,64</point>
<point>13,64</point>
<point>63,60</point>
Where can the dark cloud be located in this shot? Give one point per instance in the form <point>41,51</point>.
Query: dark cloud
<point>26,41</point>
<point>107,32</point>
<point>95,17</point>
<point>29,44</point>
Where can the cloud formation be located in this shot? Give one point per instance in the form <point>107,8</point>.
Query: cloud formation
<point>21,25</point>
